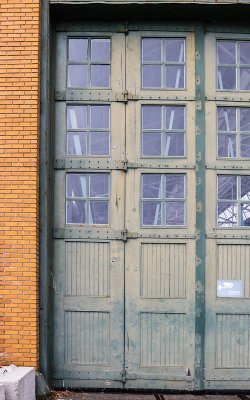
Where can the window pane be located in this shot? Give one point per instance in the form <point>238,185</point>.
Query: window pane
<point>151,50</point>
<point>245,146</point>
<point>245,188</point>
<point>175,145</point>
<point>174,76</point>
<point>78,49</point>
<point>151,186</point>
<point>245,119</point>
<point>227,187</point>
<point>175,186</point>
<point>99,117</point>
<point>77,76</point>
<point>245,53</point>
<point>151,76</point>
<point>226,117</point>
<point>175,118</point>
<point>76,143</point>
<point>226,145</point>
<point>226,52</point>
<point>99,185</point>
<point>76,185</point>
<point>151,213</point>
<point>227,214</point>
<point>245,78</point>
<point>99,143</point>
<point>151,117</point>
<point>245,215</point>
<point>151,144</point>
<point>100,50</point>
<point>76,117</point>
<point>100,75</point>
<point>175,50</point>
<point>76,212</point>
<point>175,213</point>
<point>226,78</point>
<point>99,212</point>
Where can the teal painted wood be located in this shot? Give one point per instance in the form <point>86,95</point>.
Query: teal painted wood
<point>200,208</point>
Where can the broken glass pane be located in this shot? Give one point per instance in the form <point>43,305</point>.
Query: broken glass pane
<point>226,117</point>
<point>76,117</point>
<point>245,53</point>
<point>226,145</point>
<point>76,212</point>
<point>78,49</point>
<point>175,76</point>
<point>175,143</point>
<point>245,214</point>
<point>175,118</point>
<point>100,75</point>
<point>76,143</point>
<point>175,213</point>
<point>99,212</point>
<point>226,52</point>
<point>99,117</point>
<point>151,213</point>
<point>226,78</point>
<point>151,50</point>
<point>76,185</point>
<point>245,119</point>
<point>227,214</point>
<point>99,143</point>
<point>151,186</point>
<point>175,50</point>
<point>99,185</point>
<point>244,78</point>
<point>175,186</point>
<point>151,76</point>
<point>100,50</point>
<point>151,117</point>
<point>77,76</point>
<point>227,187</point>
<point>245,146</point>
<point>151,144</point>
<point>245,188</point>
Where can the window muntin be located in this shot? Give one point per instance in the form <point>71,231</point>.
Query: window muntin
<point>233,65</point>
<point>87,198</point>
<point>88,63</point>
<point>163,63</point>
<point>233,132</point>
<point>163,131</point>
<point>88,130</point>
<point>233,201</point>
<point>163,199</point>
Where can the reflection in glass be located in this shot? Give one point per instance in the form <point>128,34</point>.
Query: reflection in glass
<point>151,186</point>
<point>244,78</point>
<point>226,52</point>
<point>174,76</point>
<point>226,145</point>
<point>76,185</point>
<point>175,118</point>
<point>76,212</point>
<point>151,117</point>
<point>245,53</point>
<point>245,188</point>
<point>99,143</point>
<point>77,76</point>
<point>175,213</point>
<point>151,213</point>
<point>175,186</point>
<point>76,143</point>
<point>151,76</point>
<point>99,185</point>
<point>227,187</point>
<point>151,50</point>
<point>99,212</point>
<point>175,143</point>
<point>245,119</point>
<point>151,144</point>
<point>245,214</point>
<point>76,117</point>
<point>226,78</point>
<point>175,50</point>
<point>227,214</point>
<point>245,146</point>
<point>226,119</point>
<point>99,117</point>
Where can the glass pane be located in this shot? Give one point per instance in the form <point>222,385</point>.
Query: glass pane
<point>99,117</point>
<point>245,146</point>
<point>245,119</point>
<point>76,117</point>
<point>151,117</point>
<point>175,213</point>
<point>76,212</point>
<point>77,76</point>
<point>245,53</point>
<point>245,215</point>
<point>175,143</point>
<point>227,214</point>
<point>151,144</point>
<point>151,76</point>
<point>227,187</point>
<point>175,50</point>
<point>175,186</point>
<point>78,49</point>
<point>226,117</point>
<point>100,50</point>
<point>151,50</point>
<point>151,213</point>
<point>226,145</point>
<point>76,143</point>
<point>99,185</point>
<point>245,188</point>
<point>99,143</point>
<point>151,186</point>
<point>175,118</point>
<point>226,52</point>
<point>226,78</point>
<point>175,76</point>
<point>76,185</point>
<point>100,75</point>
<point>245,78</point>
<point>99,212</point>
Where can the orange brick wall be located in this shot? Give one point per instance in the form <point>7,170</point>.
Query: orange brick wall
<point>19,162</point>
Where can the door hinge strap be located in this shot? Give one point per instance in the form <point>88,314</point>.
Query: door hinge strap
<point>71,163</point>
<point>125,97</point>
<point>123,375</point>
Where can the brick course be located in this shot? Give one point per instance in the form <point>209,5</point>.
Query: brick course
<point>19,163</point>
